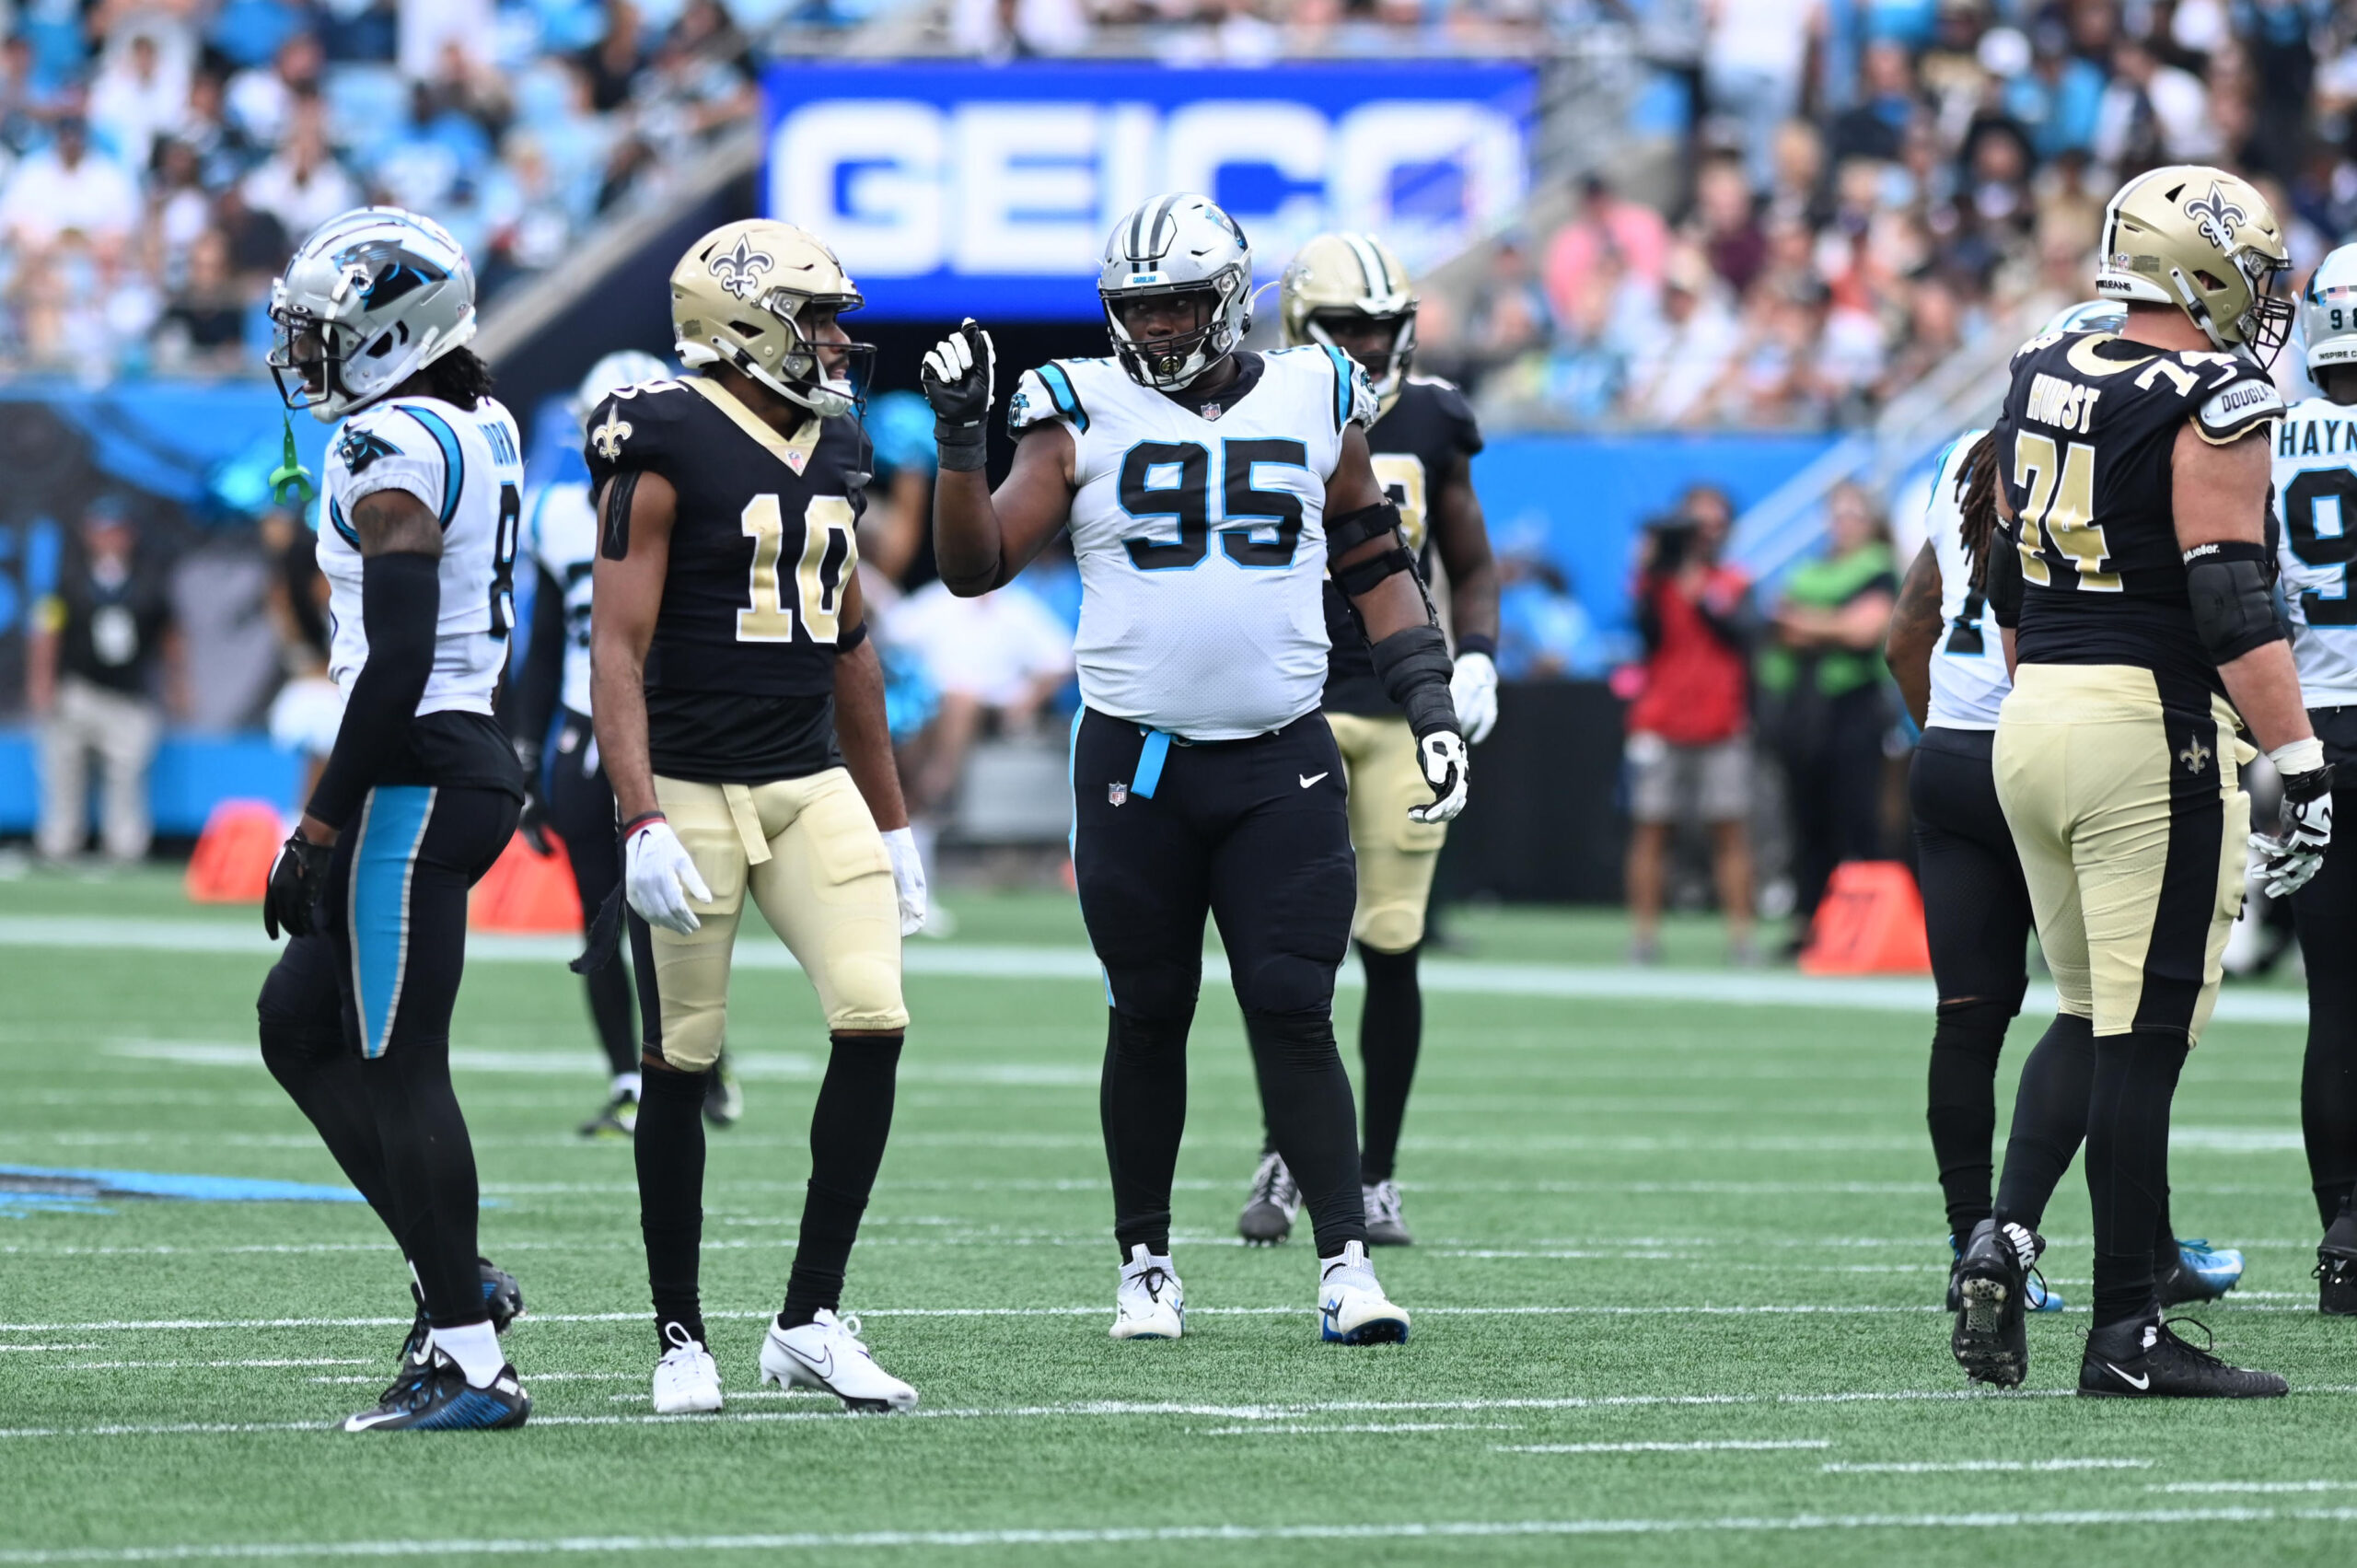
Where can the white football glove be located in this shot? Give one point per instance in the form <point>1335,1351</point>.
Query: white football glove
<point>659,877</point>
<point>908,878</point>
<point>1442,756</point>
<point>2294,852</point>
<point>1474,689</point>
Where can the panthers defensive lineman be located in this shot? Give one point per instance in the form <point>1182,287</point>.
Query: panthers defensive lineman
<point>425,483</point>
<point>567,786</point>
<point>2134,469</point>
<point>1348,291</point>
<point>2315,488</point>
<point>739,710</point>
<point>1207,492</point>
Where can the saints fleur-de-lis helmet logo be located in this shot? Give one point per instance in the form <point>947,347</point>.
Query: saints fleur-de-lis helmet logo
<point>2217,217</point>
<point>739,271</point>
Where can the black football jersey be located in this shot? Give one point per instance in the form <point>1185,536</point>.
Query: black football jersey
<point>2084,445</point>
<point>1416,441</point>
<point>740,675</point>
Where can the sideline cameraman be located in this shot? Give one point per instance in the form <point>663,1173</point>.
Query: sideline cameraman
<point>1689,750</point>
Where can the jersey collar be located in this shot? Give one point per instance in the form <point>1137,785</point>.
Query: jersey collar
<point>794,452</point>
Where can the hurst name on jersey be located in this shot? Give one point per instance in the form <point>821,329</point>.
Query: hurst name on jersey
<point>1198,529</point>
<point>1417,440</point>
<point>1969,675</point>
<point>465,469</point>
<point>2084,451</point>
<point>740,674</point>
<point>2316,498</point>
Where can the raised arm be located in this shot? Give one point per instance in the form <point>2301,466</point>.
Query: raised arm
<point>981,539</point>
<point>1914,633</point>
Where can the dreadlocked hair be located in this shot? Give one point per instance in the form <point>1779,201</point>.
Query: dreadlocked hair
<point>460,377</point>
<point>1976,494</point>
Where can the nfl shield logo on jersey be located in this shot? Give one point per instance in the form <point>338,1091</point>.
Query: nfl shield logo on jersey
<point>1116,791</point>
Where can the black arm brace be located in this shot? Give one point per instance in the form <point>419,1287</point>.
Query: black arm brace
<point>614,544</point>
<point>2233,612</point>
<point>1360,577</point>
<point>401,599</point>
<point>2002,582</point>
<point>1347,532</point>
<point>1415,668</point>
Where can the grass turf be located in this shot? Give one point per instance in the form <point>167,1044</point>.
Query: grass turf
<point>1678,1273</point>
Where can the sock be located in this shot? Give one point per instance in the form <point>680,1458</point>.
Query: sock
<point>1142,1100</point>
<point>628,1084</point>
<point>1307,1097</point>
<point>849,1126</point>
<point>1962,1105</point>
<point>610,1011</point>
<point>2164,1249</point>
<point>476,1350</point>
<point>2050,1120</point>
<point>430,1163</point>
<point>669,1149</point>
<point>1391,1029</point>
<point>2128,1162</point>
<point>321,1076</point>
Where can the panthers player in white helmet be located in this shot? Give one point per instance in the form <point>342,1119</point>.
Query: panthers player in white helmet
<point>424,486</point>
<point>567,788</point>
<point>2315,494</point>
<point>1208,492</point>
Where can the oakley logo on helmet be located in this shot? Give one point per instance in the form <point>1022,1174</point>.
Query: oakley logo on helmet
<point>740,271</point>
<point>2217,218</point>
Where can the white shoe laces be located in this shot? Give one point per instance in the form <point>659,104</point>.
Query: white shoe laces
<point>1274,1183</point>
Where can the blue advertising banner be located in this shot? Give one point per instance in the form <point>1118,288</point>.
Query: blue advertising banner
<point>950,190</point>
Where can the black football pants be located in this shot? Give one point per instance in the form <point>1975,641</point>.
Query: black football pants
<point>1255,834</point>
<point>581,809</point>
<point>2327,911</point>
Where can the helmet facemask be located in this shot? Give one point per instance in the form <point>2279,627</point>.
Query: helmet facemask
<point>828,378</point>
<point>1172,362</point>
<point>1387,367</point>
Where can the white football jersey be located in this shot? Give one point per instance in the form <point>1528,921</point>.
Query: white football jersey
<point>1968,676</point>
<point>1200,538</point>
<point>467,468</point>
<point>561,538</point>
<point>2315,497</point>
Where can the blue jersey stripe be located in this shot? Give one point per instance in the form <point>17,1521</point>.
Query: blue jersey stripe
<point>1060,388</point>
<point>1342,386</point>
<point>454,462</point>
<point>392,826</point>
<point>335,516</point>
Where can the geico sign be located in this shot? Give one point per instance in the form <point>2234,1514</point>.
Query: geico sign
<point>902,188</point>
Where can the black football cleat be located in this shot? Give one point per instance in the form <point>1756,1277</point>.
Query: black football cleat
<point>1992,1290</point>
<point>2337,1268</point>
<point>502,1297</point>
<point>436,1396</point>
<point>1271,1204</point>
<point>1955,1274</point>
<point>2144,1359</point>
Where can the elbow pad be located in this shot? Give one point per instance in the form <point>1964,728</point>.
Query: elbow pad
<point>2002,581</point>
<point>1415,668</point>
<point>2233,612</point>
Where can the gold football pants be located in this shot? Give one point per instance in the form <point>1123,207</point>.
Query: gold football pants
<point>1396,855</point>
<point>809,853</point>
<point>2131,822</point>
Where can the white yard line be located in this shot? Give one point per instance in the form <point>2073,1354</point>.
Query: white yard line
<point>1947,1466</point>
<point>2251,1486</point>
<point>1739,1445</point>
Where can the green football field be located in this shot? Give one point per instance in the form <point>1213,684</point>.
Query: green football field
<point>1675,1290</point>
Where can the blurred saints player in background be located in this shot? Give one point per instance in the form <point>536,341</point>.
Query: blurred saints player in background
<point>2315,490</point>
<point>1348,291</point>
<point>569,794</point>
<point>739,710</point>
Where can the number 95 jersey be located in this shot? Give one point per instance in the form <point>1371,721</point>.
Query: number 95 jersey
<point>1198,529</point>
<point>2315,494</point>
<point>465,469</point>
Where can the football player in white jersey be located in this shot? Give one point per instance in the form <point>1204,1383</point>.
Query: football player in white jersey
<point>567,788</point>
<point>424,488</point>
<point>2315,492</point>
<point>1208,492</point>
<point>1949,659</point>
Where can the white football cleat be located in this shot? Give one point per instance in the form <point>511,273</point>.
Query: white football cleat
<point>1351,1307</point>
<point>687,1382</point>
<point>1150,1304</point>
<point>826,1354</point>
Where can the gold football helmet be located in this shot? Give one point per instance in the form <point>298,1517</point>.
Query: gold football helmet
<point>1354,278</point>
<point>2204,241</point>
<point>747,294</point>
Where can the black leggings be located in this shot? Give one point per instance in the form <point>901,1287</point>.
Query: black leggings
<point>1832,750</point>
<point>2327,911</point>
<point>581,809</point>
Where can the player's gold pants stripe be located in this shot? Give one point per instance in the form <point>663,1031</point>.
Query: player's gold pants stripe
<point>1396,855</point>
<point>809,852</point>
<point>2130,819</point>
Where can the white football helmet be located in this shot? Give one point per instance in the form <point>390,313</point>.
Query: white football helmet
<point>2328,311</point>
<point>1178,245</point>
<point>624,367</point>
<point>371,299</point>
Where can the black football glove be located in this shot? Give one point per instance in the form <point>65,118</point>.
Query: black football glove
<point>957,378</point>
<point>297,877</point>
<point>2294,852</point>
<point>534,821</point>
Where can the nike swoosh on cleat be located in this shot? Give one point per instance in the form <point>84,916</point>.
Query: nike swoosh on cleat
<point>1308,779</point>
<point>825,1369</point>
<point>2138,1384</point>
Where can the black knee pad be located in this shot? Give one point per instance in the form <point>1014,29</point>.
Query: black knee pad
<point>1298,1042</point>
<point>1977,1027</point>
<point>1285,984</point>
<point>300,1009</point>
<point>1147,1041</point>
<point>1160,991</point>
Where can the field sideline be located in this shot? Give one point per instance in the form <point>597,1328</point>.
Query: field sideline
<point>1675,1292</point>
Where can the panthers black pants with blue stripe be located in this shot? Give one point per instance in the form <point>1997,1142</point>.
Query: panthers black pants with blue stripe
<point>355,1022</point>
<point>1253,833</point>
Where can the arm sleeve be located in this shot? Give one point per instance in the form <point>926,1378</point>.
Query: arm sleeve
<point>401,602</point>
<point>531,696</point>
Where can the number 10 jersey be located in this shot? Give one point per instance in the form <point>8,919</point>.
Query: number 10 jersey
<point>1198,529</point>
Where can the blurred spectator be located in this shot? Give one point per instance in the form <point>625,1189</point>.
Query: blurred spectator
<point>1605,228</point>
<point>995,660</point>
<point>1543,633</point>
<point>2152,113</point>
<point>1689,750</point>
<point>135,99</point>
<point>1753,54</point>
<point>302,186</point>
<point>1680,353</point>
<point>1724,224</point>
<point>69,185</point>
<point>98,649</point>
<point>204,328</point>
<point>1875,126</point>
<point>1822,678</point>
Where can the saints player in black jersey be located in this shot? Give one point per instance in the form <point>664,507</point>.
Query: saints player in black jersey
<point>2134,472</point>
<point>740,712</point>
<point>1348,291</point>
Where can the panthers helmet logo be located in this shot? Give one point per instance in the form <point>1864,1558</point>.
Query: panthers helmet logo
<point>740,271</point>
<point>361,448</point>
